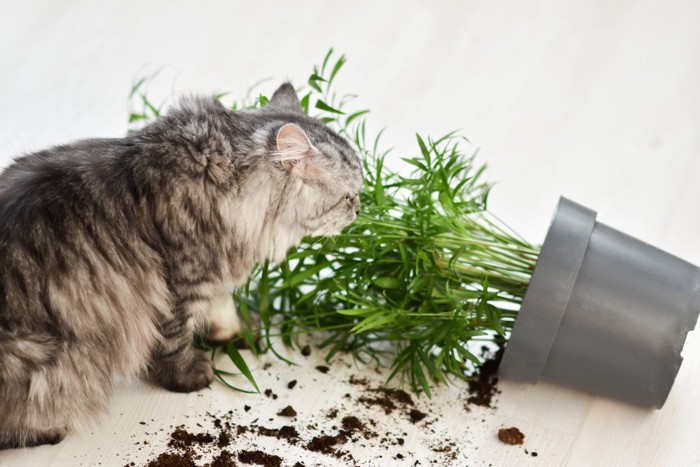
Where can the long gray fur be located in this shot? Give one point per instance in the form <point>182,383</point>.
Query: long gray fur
<point>114,252</point>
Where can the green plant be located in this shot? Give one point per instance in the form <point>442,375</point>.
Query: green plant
<point>422,273</point>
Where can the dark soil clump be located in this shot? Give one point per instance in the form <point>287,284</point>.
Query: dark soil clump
<point>416,415</point>
<point>511,436</point>
<point>225,459</point>
<point>224,439</point>
<point>173,460</point>
<point>181,438</point>
<point>387,399</point>
<point>306,351</point>
<point>352,423</point>
<point>484,386</point>
<point>291,384</point>
<point>259,458</point>
<point>323,369</point>
<point>325,443</point>
<point>286,432</point>
<point>287,412</point>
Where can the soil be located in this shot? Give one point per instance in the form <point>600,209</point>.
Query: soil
<point>180,438</point>
<point>416,415</point>
<point>483,387</point>
<point>259,458</point>
<point>306,351</point>
<point>388,400</point>
<point>225,459</point>
<point>325,443</point>
<point>173,460</point>
<point>287,412</point>
<point>352,423</point>
<point>511,436</point>
<point>337,428</point>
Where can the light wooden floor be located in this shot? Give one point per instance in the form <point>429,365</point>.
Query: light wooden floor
<point>599,101</point>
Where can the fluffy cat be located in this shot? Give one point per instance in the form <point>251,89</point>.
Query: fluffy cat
<point>115,251</point>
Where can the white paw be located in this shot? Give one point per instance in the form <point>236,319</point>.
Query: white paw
<point>223,319</point>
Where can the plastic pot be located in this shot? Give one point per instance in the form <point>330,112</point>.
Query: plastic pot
<point>604,312</point>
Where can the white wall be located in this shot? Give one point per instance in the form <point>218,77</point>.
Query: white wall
<point>595,100</point>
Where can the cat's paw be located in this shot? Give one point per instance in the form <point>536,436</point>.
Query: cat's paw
<point>223,320</point>
<point>33,438</point>
<point>191,375</point>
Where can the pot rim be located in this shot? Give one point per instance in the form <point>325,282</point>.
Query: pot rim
<point>549,291</point>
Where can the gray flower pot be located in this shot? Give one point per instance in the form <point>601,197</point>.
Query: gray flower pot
<point>604,312</point>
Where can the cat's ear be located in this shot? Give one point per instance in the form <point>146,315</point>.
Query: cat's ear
<point>285,98</point>
<point>296,153</point>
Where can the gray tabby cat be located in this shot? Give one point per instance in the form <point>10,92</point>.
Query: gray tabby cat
<point>115,251</point>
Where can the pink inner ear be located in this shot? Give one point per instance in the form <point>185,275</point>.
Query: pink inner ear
<point>292,140</point>
<point>294,151</point>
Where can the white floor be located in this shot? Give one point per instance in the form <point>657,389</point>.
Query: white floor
<point>598,101</point>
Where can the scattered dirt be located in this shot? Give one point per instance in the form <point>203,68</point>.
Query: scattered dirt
<point>172,460</point>
<point>329,432</point>
<point>287,412</point>
<point>325,443</point>
<point>225,459</point>
<point>416,415</point>
<point>483,387</point>
<point>352,423</point>
<point>287,432</point>
<point>388,399</point>
<point>511,436</point>
<point>306,351</point>
<point>180,438</point>
<point>259,458</point>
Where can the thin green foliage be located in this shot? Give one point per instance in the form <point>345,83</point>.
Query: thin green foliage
<point>423,272</point>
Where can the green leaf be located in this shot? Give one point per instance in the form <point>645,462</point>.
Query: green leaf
<point>325,60</point>
<point>305,103</point>
<point>312,82</point>
<point>150,106</point>
<point>323,106</point>
<point>220,376</point>
<point>306,274</point>
<point>338,65</point>
<point>355,115</point>
<point>314,77</point>
<point>387,282</point>
<point>137,86</point>
<point>136,117</point>
<point>373,322</point>
<point>423,150</point>
<point>356,311</point>
<point>240,363</point>
<point>420,376</point>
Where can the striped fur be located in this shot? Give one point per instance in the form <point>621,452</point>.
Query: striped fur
<point>116,251</point>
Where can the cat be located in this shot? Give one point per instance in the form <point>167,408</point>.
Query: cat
<point>115,252</point>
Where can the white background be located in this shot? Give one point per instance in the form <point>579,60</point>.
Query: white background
<point>599,101</point>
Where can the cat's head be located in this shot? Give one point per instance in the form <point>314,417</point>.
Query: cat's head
<point>321,174</point>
